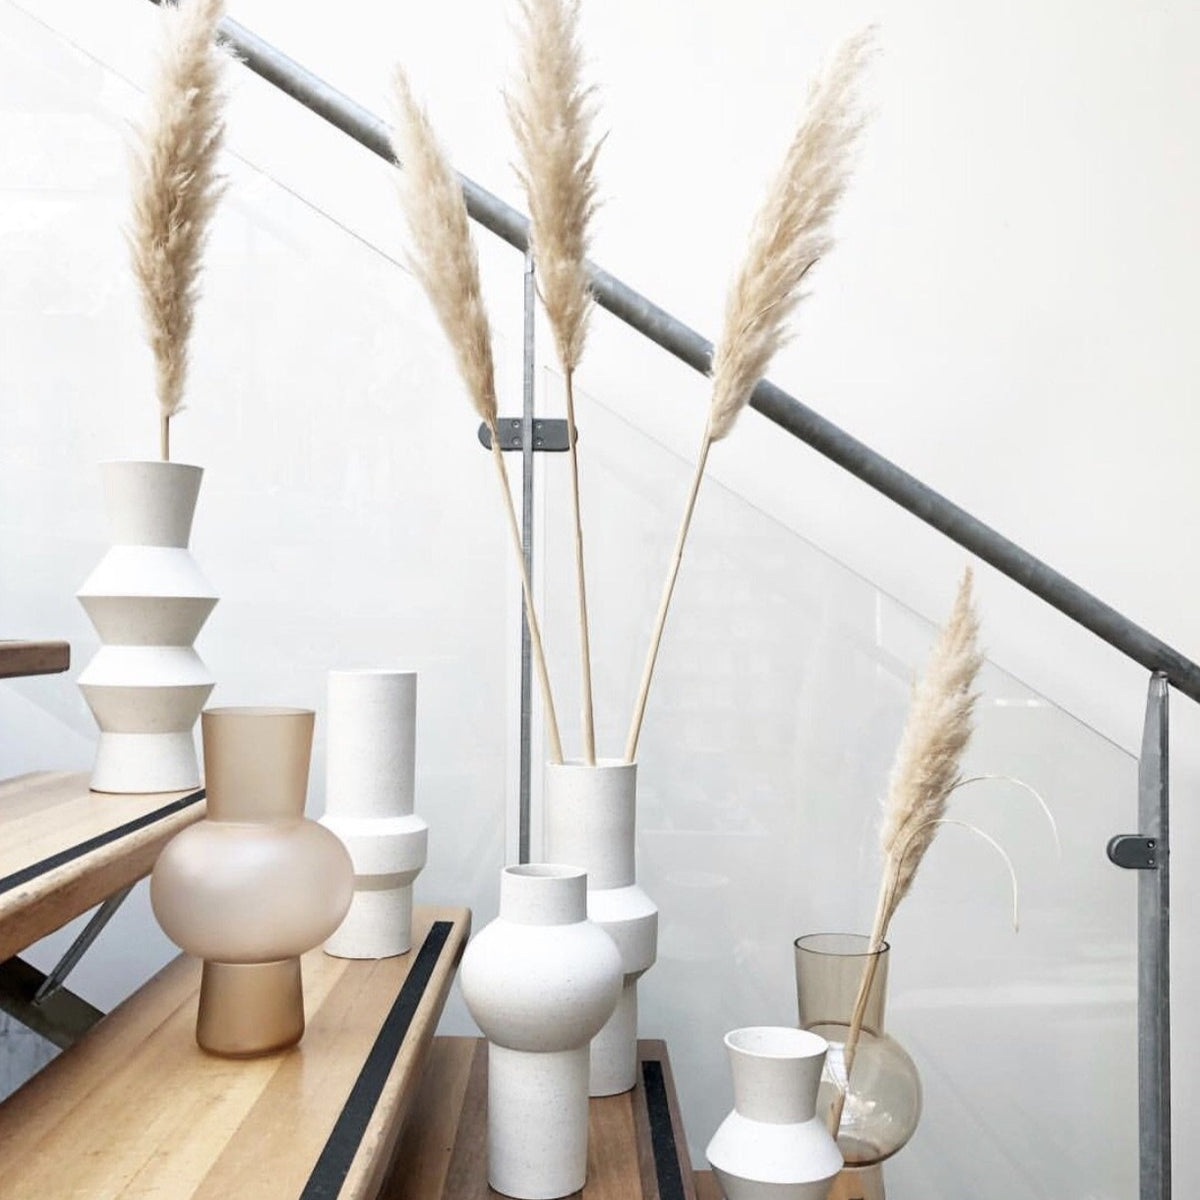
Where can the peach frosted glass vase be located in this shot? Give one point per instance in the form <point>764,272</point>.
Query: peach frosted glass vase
<point>255,885</point>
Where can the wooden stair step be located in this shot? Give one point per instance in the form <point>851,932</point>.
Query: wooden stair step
<point>64,849</point>
<point>636,1145</point>
<point>33,658</point>
<point>136,1108</point>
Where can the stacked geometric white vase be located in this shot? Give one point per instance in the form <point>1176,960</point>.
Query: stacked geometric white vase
<point>369,773</point>
<point>148,600</point>
<point>591,821</point>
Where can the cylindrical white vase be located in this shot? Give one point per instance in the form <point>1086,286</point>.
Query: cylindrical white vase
<point>773,1146</point>
<point>540,981</point>
<point>148,600</point>
<point>591,821</point>
<point>370,762</point>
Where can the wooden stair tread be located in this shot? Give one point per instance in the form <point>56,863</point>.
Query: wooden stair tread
<point>64,849</point>
<point>636,1146</point>
<point>136,1108</point>
<point>18,658</point>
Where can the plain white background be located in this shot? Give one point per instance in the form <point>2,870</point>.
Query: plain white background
<point>1007,314</point>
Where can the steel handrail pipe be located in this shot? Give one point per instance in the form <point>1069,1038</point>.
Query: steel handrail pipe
<point>828,439</point>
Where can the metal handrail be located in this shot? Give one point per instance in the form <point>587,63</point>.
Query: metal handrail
<point>660,327</point>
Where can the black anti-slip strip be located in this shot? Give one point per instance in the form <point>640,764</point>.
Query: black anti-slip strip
<point>325,1182</point>
<point>662,1132</point>
<point>25,874</point>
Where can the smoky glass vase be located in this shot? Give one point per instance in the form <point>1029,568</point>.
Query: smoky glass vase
<point>883,1100</point>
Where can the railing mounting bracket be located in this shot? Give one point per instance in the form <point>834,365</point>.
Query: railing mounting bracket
<point>549,435</point>
<point>1133,852</point>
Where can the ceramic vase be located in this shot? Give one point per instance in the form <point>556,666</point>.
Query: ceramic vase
<point>591,821</point>
<point>540,981</point>
<point>883,1100</point>
<point>254,885</point>
<point>774,1146</point>
<point>369,775</point>
<point>148,600</point>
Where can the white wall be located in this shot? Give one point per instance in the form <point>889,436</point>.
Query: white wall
<point>1007,314</point>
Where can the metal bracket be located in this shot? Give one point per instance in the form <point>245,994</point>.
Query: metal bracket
<point>80,946</point>
<point>549,435</point>
<point>1133,852</point>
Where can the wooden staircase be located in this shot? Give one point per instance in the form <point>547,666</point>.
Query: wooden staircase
<point>134,1108</point>
<point>64,849</point>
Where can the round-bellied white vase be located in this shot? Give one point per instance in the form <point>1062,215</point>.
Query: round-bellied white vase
<point>148,600</point>
<point>773,1146</point>
<point>540,980</point>
<point>591,821</point>
<point>370,762</point>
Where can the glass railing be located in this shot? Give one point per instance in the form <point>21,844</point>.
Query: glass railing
<point>781,691</point>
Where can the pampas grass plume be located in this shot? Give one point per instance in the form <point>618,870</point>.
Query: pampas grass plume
<point>551,114</point>
<point>790,233</point>
<point>441,253</point>
<point>926,768</point>
<point>176,188</point>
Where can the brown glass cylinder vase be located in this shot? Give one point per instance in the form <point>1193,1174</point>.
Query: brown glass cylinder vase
<point>254,885</point>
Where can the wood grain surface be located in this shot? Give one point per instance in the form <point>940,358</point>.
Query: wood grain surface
<point>636,1147</point>
<point>33,658</point>
<point>137,1109</point>
<point>45,818</point>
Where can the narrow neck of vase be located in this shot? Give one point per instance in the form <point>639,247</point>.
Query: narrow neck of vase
<point>370,735</point>
<point>151,503</point>
<point>830,970</point>
<point>256,762</point>
<point>776,1073</point>
<point>543,894</point>
<point>591,819</point>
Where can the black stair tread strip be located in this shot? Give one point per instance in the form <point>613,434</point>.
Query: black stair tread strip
<point>332,1167</point>
<point>662,1132</point>
<point>25,874</point>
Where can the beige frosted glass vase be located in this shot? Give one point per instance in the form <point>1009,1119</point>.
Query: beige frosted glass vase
<point>255,885</point>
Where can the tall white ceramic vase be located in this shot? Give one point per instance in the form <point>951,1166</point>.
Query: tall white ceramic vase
<point>148,600</point>
<point>591,820</point>
<point>773,1146</point>
<point>370,762</point>
<point>540,980</point>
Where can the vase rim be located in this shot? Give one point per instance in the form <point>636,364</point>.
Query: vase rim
<point>776,1042</point>
<point>373,671</point>
<point>601,764</point>
<point>544,871</point>
<point>257,710</point>
<point>809,943</point>
<point>148,462</point>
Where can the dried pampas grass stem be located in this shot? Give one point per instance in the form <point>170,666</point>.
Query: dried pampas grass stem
<point>176,188</point>
<point>790,233</point>
<point>551,113</point>
<point>442,257</point>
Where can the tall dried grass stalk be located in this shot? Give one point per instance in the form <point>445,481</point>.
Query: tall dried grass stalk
<point>789,235</point>
<point>925,772</point>
<point>551,114</point>
<point>442,256</point>
<point>176,188</point>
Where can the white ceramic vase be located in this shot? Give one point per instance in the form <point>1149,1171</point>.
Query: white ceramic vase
<point>591,821</point>
<point>148,600</point>
<point>540,980</point>
<point>773,1146</point>
<point>369,773</point>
